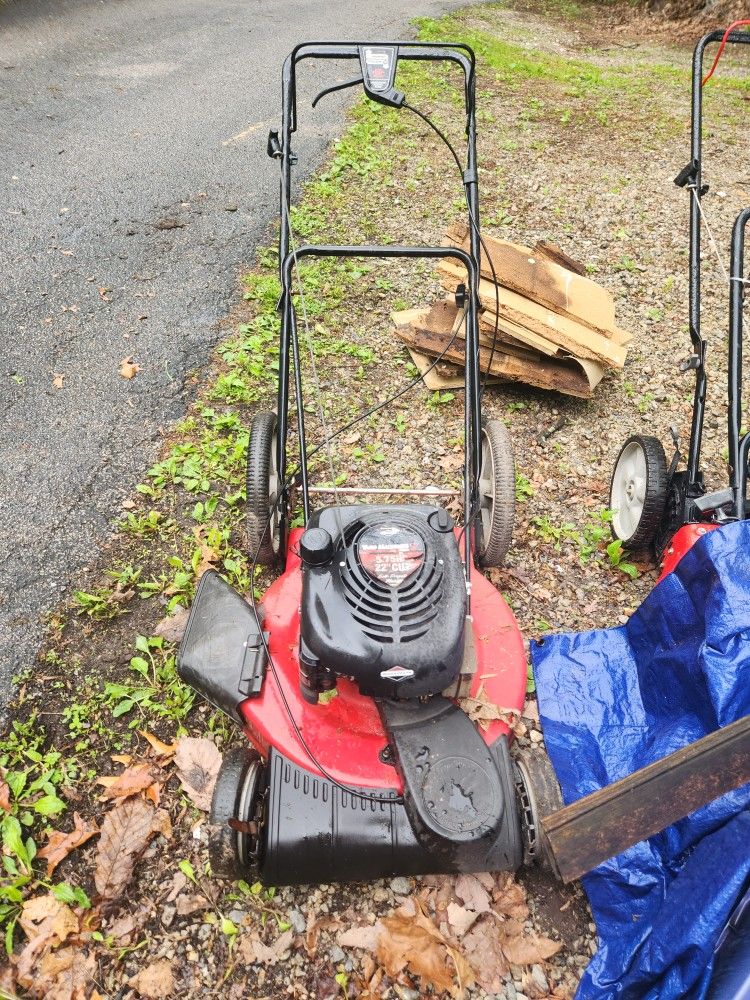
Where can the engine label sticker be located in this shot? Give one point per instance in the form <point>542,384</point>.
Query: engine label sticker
<point>390,553</point>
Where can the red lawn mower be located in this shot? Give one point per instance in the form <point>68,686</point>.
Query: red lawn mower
<point>384,604</point>
<point>666,509</point>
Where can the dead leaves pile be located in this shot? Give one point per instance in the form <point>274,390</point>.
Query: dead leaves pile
<point>454,933</point>
<point>58,959</point>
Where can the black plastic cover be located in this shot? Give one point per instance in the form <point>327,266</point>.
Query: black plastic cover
<point>389,608</point>
<point>317,832</point>
<point>459,794</point>
<point>222,654</point>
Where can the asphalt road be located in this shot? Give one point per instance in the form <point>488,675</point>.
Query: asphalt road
<point>116,115</point>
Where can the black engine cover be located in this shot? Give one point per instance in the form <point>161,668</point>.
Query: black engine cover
<point>386,603</point>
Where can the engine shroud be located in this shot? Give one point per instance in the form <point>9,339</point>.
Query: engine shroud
<point>388,606</point>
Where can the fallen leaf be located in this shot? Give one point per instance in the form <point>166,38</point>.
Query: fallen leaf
<point>366,937</point>
<point>103,293</point>
<point>460,919</point>
<point>253,950</point>
<point>121,758</point>
<point>63,974</point>
<point>198,761</point>
<point>481,710</point>
<point>43,916</point>
<point>162,824</point>
<point>59,845</point>
<point>530,950</point>
<point>155,981</point>
<point>482,947</point>
<point>209,555</point>
<point>58,380</point>
<point>186,905</point>
<point>160,748</point>
<point>129,370</point>
<point>172,628</point>
<point>132,781</point>
<point>509,897</point>
<point>122,930</point>
<point>124,834</point>
<point>413,942</point>
<point>473,894</point>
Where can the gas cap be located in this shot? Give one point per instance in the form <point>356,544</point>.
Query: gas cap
<point>316,547</point>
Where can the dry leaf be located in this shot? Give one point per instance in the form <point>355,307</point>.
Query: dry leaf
<point>198,761</point>
<point>121,758</point>
<point>44,916</point>
<point>64,974</point>
<point>59,845</point>
<point>172,628</point>
<point>124,834</point>
<point>162,824</point>
<point>209,555</point>
<point>252,949</point>
<point>509,897</point>
<point>132,781</point>
<point>4,795</point>
<point>470,890</point>
<point>413,942</point>
<point>482,947</point>
<point>186,905</point>
<point>155,981</point>
<point>481,710</point>
<point>58,380</point>
<point>529,950</point>
<point>129,370</point>
<point>122,930</point>
<point>160,749</point>
<point>460,919</point>
<point>366,937</point>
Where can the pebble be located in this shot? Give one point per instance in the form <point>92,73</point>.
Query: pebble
<point>167,914</point>
<point>237,916</point>
<point>336,954</point>
<point>297,920</point>
<point>535,736</point>
<point>401,885</point>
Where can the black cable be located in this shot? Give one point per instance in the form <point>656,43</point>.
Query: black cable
<point>475,225</point>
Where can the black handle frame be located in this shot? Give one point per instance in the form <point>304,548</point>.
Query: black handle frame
<point>463,56</point>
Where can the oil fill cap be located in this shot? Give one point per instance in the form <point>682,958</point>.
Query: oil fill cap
<point>440,520</point>
<point>316,547</point>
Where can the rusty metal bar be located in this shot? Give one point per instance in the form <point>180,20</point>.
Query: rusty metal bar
<point>602,825</point>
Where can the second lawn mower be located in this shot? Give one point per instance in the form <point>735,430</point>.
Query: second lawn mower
<point>383,603</point>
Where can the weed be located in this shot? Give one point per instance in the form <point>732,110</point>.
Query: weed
<point>524,489</point>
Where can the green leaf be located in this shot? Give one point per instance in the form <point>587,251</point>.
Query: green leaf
<point>256,888</point>
<point>13,841</point>
<point>228,927</point>
<point>122,708</point>
<point>629,568</point>
<point>342,979</point>
<point>9,931</point>
<point>187,869</point>
<point>49,805</point>
<point>530,682</point>
<point>16,781</point>
<point>64,893</point>
<point>141,643</point>
<point>139,664</point>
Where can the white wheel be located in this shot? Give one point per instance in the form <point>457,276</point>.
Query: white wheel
<point>638,491</point>
<point>497,494</point>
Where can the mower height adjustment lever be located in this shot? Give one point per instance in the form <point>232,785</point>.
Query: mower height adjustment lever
<point>688,176</point>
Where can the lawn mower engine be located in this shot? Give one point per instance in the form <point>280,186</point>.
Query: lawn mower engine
<point>363,764</point>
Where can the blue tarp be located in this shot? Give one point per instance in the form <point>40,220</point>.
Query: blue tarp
<point>614,700</point>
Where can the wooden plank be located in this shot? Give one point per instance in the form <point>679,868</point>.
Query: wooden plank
<point>542,280</point>
<point>602,825</point>
<point>543,248</point>
<point>579,340</point>
<point>544,373</point>
<point>442,376</point>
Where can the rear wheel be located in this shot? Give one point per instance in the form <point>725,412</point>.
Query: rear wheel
<point>638,491</point>
<point>539,795</point>
<point>497,494</point>
<point>264,528</point>
<point>235,817</point>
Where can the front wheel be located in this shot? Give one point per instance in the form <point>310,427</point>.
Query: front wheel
<point>638,491</point>
<point>497,494</point>
<point>235,819</point>
<point>264,528</point>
